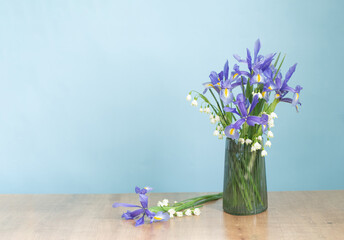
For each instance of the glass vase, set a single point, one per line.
(244, 189)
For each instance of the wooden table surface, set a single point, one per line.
(291, 215)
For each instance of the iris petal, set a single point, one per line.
(144, 200)
(132, 214)
(161, 216)
(253, 120)
(232, 110)
(123, 205)
(226, 70)
(140, 221)
(256, 49)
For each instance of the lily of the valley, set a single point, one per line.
(264, 153)
(271, 122)
(188, 212)
(268, 143)
(257, 146)
(197, 211)
(194, 103)
(179, 214)
(171, 212)
(273, 115)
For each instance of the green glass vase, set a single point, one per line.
(244, 189)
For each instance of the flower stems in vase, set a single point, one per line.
(244, 186)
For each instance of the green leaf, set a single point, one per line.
(272, 106)
(277, 59)
(249, 89)
(279, 68)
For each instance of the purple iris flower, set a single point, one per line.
(298, 88)
(264, 62)
(269, 82)
(237, 72)
(216, 79)
(231, 131)
(227, 85)
(265, 92)
(261, 62)
(282, 88)
(270, 73)
(143, 209)
(258, 65)
(134, 214)
(295, 101)
(222, 81)
(143, 190)
(289, 100)
(238, 77)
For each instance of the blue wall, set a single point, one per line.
(92, 93)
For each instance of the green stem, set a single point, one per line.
(249, 176)
(218, 105)
(201, 197)
(198, 201)
(272, 106)
(240, 183)
(244, 186)
(188, 203)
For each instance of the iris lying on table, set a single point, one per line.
(164, 211)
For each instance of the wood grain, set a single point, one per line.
(291, 215)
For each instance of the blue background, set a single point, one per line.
(92, 93)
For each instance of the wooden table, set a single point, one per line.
(291, 215)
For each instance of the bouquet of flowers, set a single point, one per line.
(243, 108)
(245, 100)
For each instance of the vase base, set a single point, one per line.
(242, 213)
